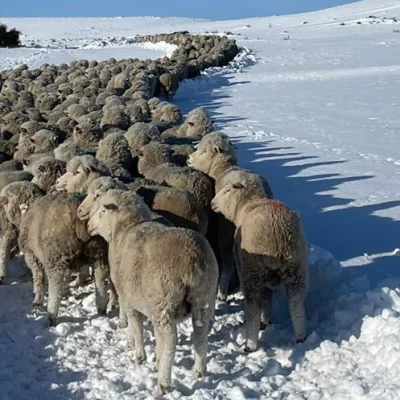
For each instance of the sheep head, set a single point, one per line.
(81, 170)
(152, 155)
(211, 158)
(117, 211)
(96, 189)
(46, 173)
(16, 198)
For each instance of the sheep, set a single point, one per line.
(31, 127)
(14, 176)
(69, 149)
(8, 240)
(87, 134)
(25, 146)
(7, 148)
(114, 148)
(140, 134)
(215, 156)
(155, 163)
(74, 111)
(81, 170)
(30, 162)
(155, 280)
(177, 205)
(54, 246)
(167, 115)
(44, 141)
(269, 248)
(196, 125)
(46, 172)
(11, 165)
(169, 85)
(115, 116)
(10, 217)
(181, 153)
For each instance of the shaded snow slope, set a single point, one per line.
(314, 108)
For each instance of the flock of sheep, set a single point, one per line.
(100, 177)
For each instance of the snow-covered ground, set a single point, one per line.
(312, 104)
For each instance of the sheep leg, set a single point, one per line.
(123, 317)
(227, 268)
(82, 277)
(165, 93)
(113, 298)
(167, 343)
(38, 277)
(200, 344)
(5, 250)
(296, 297)
(252, 320)
(226, 232)
(266, 309)
(158, 349)
(135, 335)
(55, 277)
(100, 278)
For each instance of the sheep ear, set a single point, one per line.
(111, 207)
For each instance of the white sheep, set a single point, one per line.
(81, 170)
(269, 247)
(54, 242)
(215, 156)
(163, 273)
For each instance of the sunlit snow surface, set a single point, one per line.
(311, 104)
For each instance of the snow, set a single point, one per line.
(314, 108)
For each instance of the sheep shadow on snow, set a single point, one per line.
(346, 232)
(28, 366)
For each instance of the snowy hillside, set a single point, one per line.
(312, 104)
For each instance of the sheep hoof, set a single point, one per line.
(222, 297)
(263, 326)
(37, 303)
(52, 321)
(130, 346)
(247, 350)
(302, 340)
(163, 389)
(122, 324)
(1, 280)
(250, 347)
(200, 373)
(102, 311)
(141, 359)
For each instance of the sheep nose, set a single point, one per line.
(80, 213)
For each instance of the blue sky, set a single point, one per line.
(213, 9)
